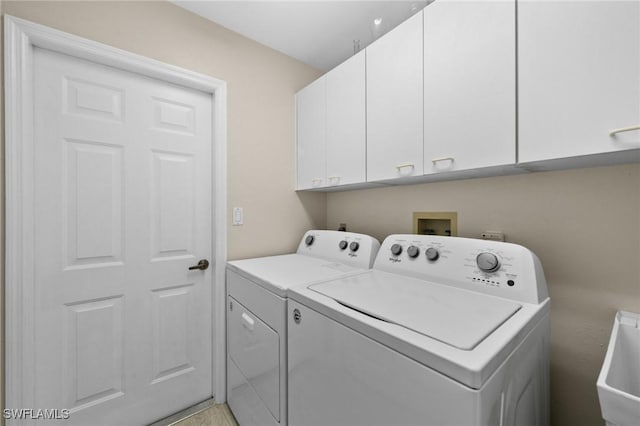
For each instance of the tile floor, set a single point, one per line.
(216, 415)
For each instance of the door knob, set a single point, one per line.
(202, 265)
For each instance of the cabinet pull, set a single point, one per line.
(448, 165)
(316, 182)
(334, 180)
(401, 167)
(624, 129)
(439, 159)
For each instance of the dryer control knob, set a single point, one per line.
(413, 251)
(396, 249)
(432, 253)
(354, 246)
(343, 244)
(488, 262)
(309, 240)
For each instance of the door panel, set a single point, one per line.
(172, 210)
(346, 122)
(171, 355)
(123, 208)
(311, 127)
(94, 358)
(578, 78)
(94, 203)
(469, 85)
(395, 103)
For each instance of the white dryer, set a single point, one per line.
(256, 317)
(442, 331)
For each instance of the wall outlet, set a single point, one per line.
(492, 235)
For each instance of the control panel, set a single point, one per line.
(498, 268)
(354, 249)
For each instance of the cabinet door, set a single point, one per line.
(311, 129)
(469, 85)
(394, 103)
(346, 122)
(578, 77)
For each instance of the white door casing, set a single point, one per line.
(23, 39)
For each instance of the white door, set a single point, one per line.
(395, 102)
(578, 78)
(123, 330)
(346, 122)
(469, 85)
(311, 127)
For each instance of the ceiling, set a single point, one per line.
(318, 33)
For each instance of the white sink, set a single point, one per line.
(619, 380)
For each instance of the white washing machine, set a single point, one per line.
(256, 317)
(442, 331)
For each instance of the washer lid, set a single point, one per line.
(459, 318)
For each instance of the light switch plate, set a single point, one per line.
(238, 216)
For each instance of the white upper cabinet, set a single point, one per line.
(311, 130)
(579, 77)
(346, 122)
(469, 85)
(394, 103)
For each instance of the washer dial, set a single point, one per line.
(343, 244)
(309, 240)
(488, 262)
(432, 253)
(354, 246)
(413, 251)
(396, 249)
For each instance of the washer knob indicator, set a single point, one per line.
(354, 246)
(343, 244)
(309, 240)
(432, 254)
(396, 249)
(413, 251)
(488, 262)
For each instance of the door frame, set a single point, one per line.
(21, 39)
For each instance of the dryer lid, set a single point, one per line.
(279, 273)
(459, 318)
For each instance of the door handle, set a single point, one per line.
(203, 264)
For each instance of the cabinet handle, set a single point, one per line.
(624, 129)
(316, 182)
(439, 159)
(400, 167)
(334, 180)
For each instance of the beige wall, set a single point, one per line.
(261, 86)
(584, 224)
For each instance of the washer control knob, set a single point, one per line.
(432, 254)
(413, 251)
(488, 262)
(396, 249)
(354, 246)
(309, 240)
(343, 244)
